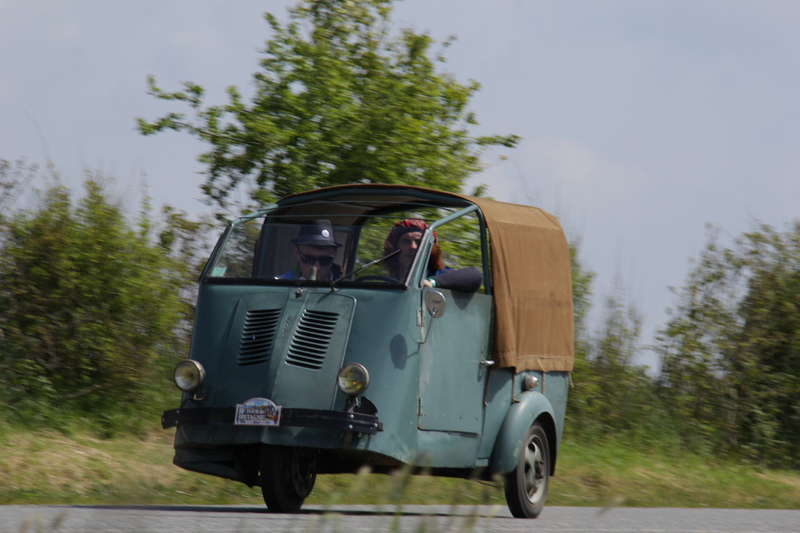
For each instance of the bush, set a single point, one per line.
(90, 307)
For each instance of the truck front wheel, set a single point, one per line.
(526, 485)
(288, 474)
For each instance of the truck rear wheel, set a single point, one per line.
(288, 474)
(526, 485)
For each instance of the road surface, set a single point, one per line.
(365, 518)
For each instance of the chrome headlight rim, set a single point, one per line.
(353, 379)
(189, 376)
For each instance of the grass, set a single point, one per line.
(78, 467)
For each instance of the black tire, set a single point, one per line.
(287, 476)
(526, 486)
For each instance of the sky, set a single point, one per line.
(641, 122)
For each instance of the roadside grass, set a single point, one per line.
(615, 474)
(77, 467)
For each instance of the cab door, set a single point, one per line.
(453, 369)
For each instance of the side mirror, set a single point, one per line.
(435, 303)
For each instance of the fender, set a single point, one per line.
(531, 405)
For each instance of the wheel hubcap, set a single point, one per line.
(534, 473)
(302, 471)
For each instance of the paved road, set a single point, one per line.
(364, 518)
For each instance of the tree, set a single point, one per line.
(696, 341)
(88, 302)
(768, 354)
(731, 351)
(580, 408)
(582, 280)
(14, 177)
(624, 391)
(338, 100)
(611, 393)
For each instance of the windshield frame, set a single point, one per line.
(415, 274)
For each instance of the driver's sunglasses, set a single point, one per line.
(323, 260)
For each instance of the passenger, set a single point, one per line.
(406, 236)
(315, 249)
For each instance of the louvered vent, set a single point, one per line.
(258, 335)
(310, 342)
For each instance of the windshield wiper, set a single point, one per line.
(361, 269)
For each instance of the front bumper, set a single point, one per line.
(315, 418)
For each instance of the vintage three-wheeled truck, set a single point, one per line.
(348, 364)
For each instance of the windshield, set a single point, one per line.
(291, 249)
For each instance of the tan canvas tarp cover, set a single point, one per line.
(531, 277)
(532, 284)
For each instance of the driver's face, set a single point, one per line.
(409, 244)
(315, 256)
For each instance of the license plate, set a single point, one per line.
(258, 412)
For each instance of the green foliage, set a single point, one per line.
(13, 178)
(338, 100)
(582, 280)
(731, 352)
(584, 386)
(237, 258)
(89, 304)
(460, 242)
(459, 239)
(620, 385)
(611, 395)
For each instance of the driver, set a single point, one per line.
(406, 235)
(315, 249)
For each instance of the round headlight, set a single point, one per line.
(353, 379)
(189, 375)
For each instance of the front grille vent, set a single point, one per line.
(258, 335)
(311, 340)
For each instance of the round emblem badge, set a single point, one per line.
(326, 233)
